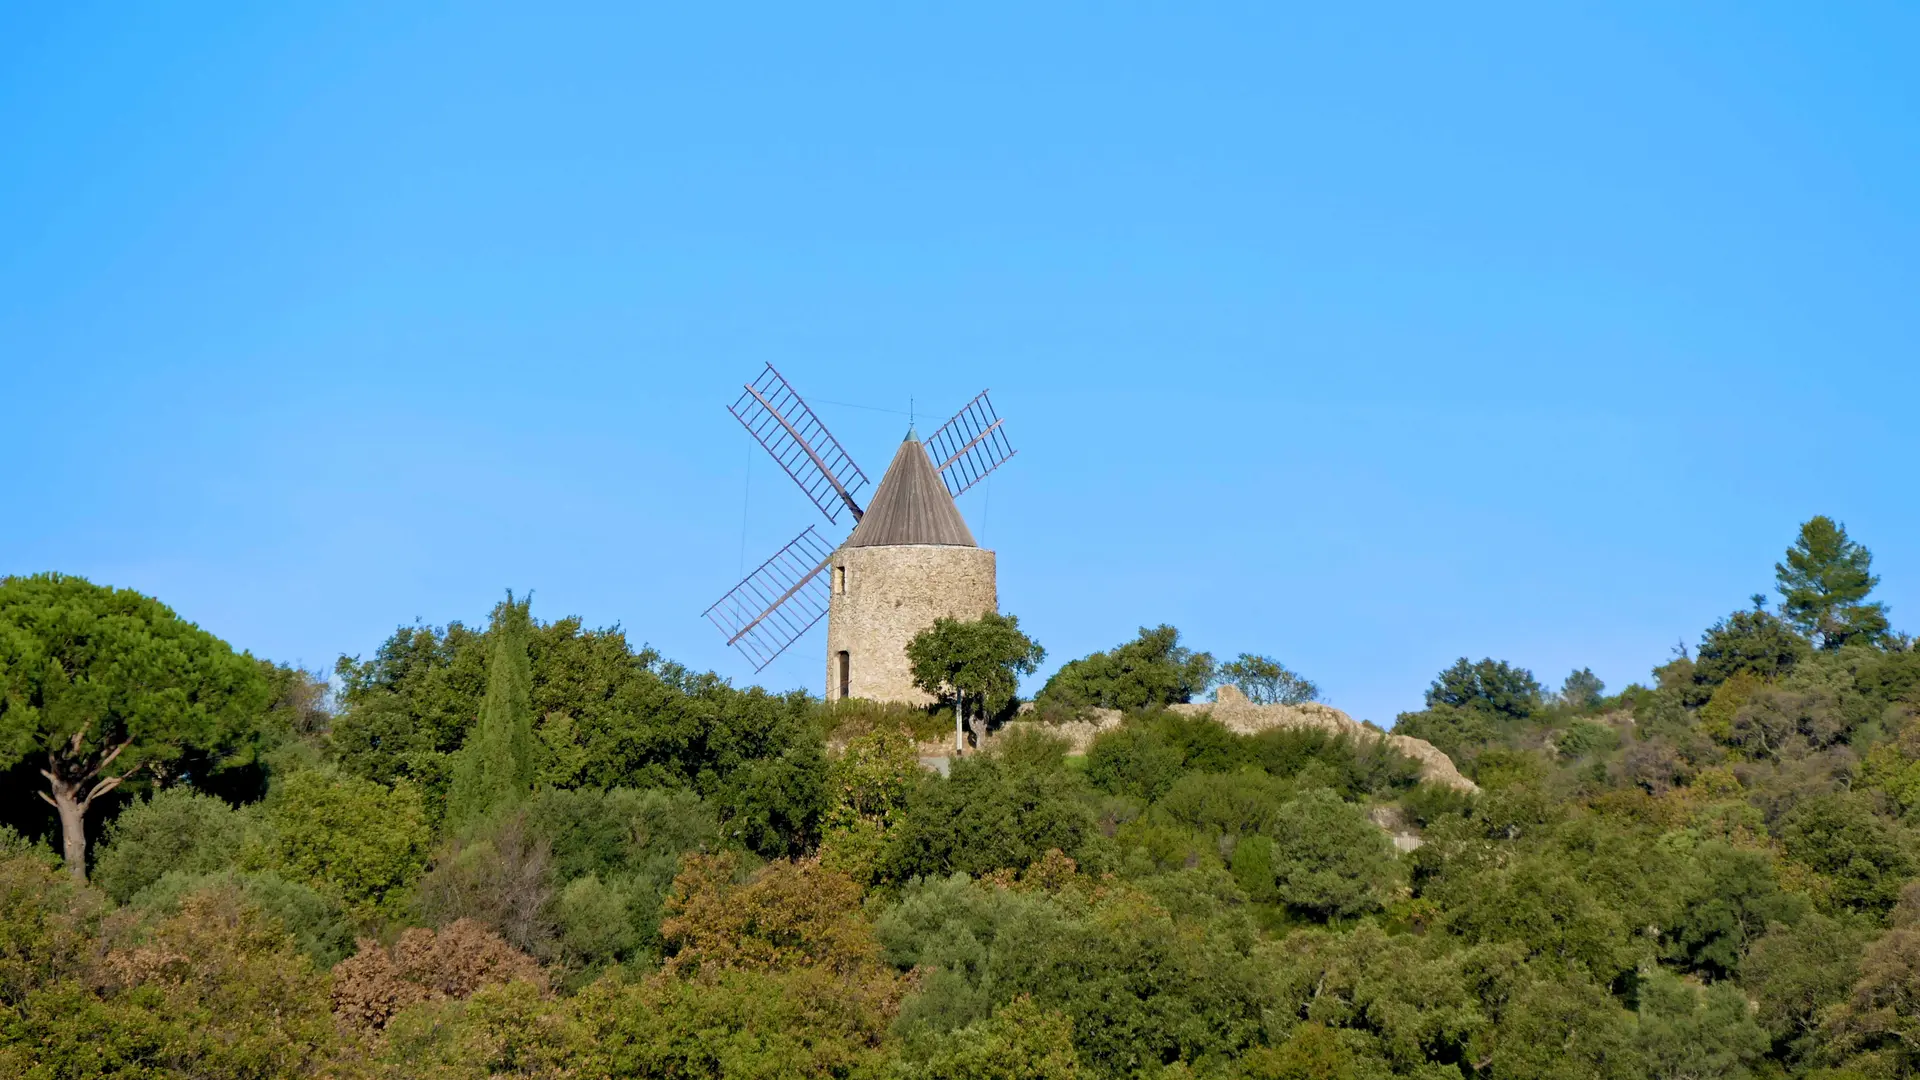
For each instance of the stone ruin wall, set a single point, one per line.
(1232, 709)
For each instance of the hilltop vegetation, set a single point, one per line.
(533, 850)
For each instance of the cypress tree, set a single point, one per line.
(495, 768)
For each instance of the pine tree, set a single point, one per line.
(1825, 582)
(496, 767)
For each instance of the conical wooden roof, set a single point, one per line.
(911, 506)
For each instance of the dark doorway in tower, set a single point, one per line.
(843, 672)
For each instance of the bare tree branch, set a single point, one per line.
(105, 786)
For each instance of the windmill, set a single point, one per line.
(916, 555)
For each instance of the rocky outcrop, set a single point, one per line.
(1232, 709)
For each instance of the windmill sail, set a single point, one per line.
(969, 446)
(780, 420)
(778, 602)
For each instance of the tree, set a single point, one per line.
(376, 982)
(1750, 642)
(632, 719)
(499, 874)
(1152, 669)
(1564, 1029)
(990, 814)
(773, 804)
(215, 992)
(1882, 1012)
(787, 915)
(107, 683)
(351, 839)
(1795, 974)
(1866, 857)
(730, 1023)
(496, 767)
(1329, 859)
(176, 831)
(1733, 900)
(1492, 686)
(1458, 733)
(1690, 1031)
(1824, 585)
(981, 659)
(1136, 760)
(317, 922)
(1020, 1041)
(868, 786)
(1267, 681)
(1582, 689)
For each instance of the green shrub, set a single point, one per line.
(355, 840)
(1254, 869)
(1020, 1041)
(1428, 803)
(1152, 669)
(1329, 858)
(1224, 804)
(596, 921)
(499, 874)
(1353, 767)
(1583, 737)
(851, 718)
(1458, 733)
(773, 806)
(178, 830)
(622, 831)
(318, 923)
(1134, 760)
(12, 844)
(1865, 856)
(991, 814)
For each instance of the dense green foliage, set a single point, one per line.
(101, 685)
(982, 659)
(496, 768)
(1710, 876)
(1153, 669)
(1267, 681)
(1824, 584)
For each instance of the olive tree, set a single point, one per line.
(980, 660)
(1267, 681)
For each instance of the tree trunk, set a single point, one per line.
(959, 722)
(71, 805)
(73, 826)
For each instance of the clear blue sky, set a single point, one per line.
(1365, 337)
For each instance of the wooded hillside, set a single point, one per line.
(532, 849)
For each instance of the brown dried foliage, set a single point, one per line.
(375, 983)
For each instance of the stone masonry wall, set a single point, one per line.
(891, 594)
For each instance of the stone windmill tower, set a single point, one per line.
(910, 559)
